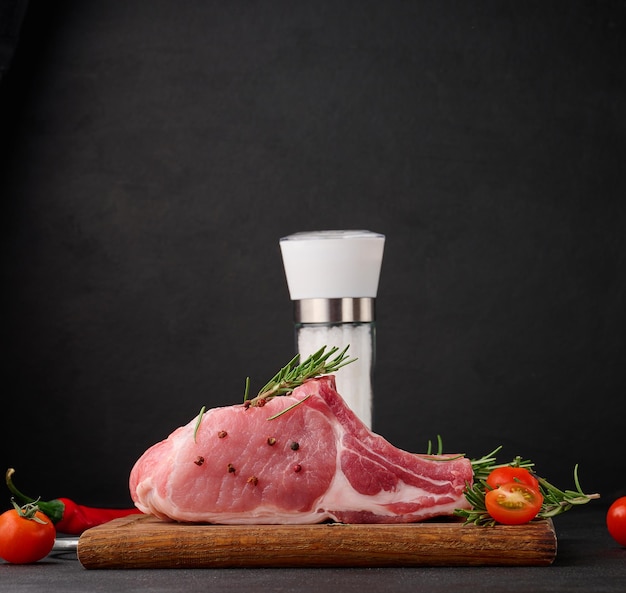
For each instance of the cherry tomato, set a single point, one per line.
(26, 535)
(513, 503)
(616, 520)
(506, 474)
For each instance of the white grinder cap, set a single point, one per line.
(332, 264)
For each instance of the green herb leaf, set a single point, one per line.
(198, 421)
(294, 373)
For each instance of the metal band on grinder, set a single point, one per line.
(346, 310)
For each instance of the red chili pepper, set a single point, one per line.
(70, 518)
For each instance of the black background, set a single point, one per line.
(154, 152)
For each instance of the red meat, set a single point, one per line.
(313, 463)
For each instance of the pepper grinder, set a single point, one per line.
(332, 278)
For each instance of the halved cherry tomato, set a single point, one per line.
(513, 503)
(26, 535)
(506, 474)
(616, 520)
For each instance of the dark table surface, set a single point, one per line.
(587, 560)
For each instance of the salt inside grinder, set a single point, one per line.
(332, 278)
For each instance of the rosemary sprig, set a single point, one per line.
(198, 421)
(555, 501)
(294, 373)
(483, 466)
(429, 450)
(477, 514)
(291, 407)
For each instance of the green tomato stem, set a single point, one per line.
(53, 509)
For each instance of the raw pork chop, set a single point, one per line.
(313, 463)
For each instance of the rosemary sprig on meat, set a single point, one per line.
(555, 501)
(294, 373)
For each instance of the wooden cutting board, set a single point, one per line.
(141, 541)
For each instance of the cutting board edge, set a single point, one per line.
(141, 542)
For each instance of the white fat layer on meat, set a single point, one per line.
(263, 514)
(341, 496)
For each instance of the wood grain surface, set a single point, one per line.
(146, 542)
